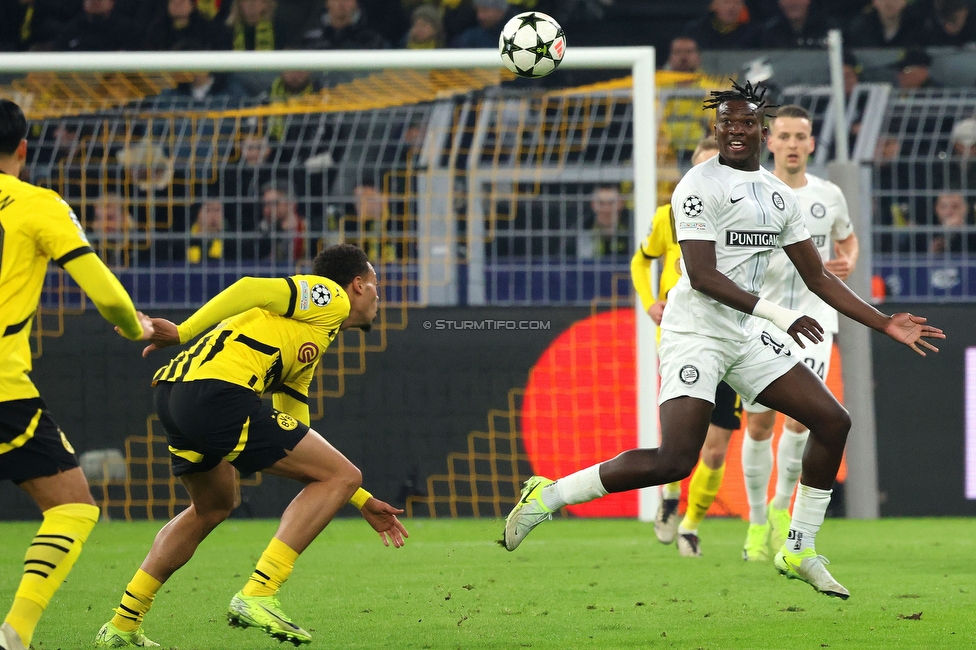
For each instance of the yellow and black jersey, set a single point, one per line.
(36, 225)
(275, 332)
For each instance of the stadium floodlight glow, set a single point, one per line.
(638, 61)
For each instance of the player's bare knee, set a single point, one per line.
(714, 457)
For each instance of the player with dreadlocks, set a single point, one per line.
(730, 214)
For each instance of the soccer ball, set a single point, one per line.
(532, 44)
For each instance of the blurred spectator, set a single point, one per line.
(963, 138)
(796, 26)
(684, 55)
(606, 231)
(491, 16)
(34, 24)
(216, 10)
(284, 232)
(893, 208)
(952, 24)
(726, 26)
(205, 85)
(852, 71)
(112, 230)
(240, 187)
(954, 214)
(99, 28)
(182, 27)
(291, 85)
(157, 193)
(426, 29)
(843, 10)
(341, 27)
(207, 236)
(253, 26)
(888, 23)
(912, 70)
(366, 222)
(959, 168)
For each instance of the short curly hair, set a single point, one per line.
(341, 263)
(13, 127)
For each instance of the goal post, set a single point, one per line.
(436, 259)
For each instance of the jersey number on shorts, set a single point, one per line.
(813, 366)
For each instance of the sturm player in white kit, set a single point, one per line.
(825, 212)
(730, 214)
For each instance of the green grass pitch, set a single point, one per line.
(573, 584)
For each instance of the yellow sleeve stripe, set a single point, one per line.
(192, 456)
(22, 439)
(241, 442)
(72, 255)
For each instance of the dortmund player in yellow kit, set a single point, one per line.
(36, 226)
(706, 480)
(269, 337)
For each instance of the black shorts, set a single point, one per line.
(209, 420)
(32, 444)
(728, 408)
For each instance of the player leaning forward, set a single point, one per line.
(37, 226)
(730, 214)
(270, 337)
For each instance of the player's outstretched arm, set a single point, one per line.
(903, 327)
(699, 256)
(109, 296)
(383, 518)
(273, 294)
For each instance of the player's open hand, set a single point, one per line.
(164, 335)
(910, 330)
(147, 327)
(383, 518)
(809, 328)
(841, 267)
(656, 311)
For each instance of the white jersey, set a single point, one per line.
(825, 212)
(747, 215)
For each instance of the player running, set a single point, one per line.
(730, 214)
(824, 211)
(661, 242)
(37, 226)
(270, 337)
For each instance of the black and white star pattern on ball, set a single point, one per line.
(321, 295)
(509, 47)
(693, 206)
(532, 20)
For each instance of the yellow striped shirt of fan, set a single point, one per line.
(660, 243)
(270, 348)
(36, 226)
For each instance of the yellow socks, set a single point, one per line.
(47, 562)
(671, 490)
(705, 483)
(136, 601)
(272, 570)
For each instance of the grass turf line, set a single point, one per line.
(573, 584)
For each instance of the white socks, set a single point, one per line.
(579, 487)
(789, 463)
(757, 467)
(808, 516)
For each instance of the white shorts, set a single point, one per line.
(816, 356)
(692, 365)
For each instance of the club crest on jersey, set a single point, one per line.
(819, 240)
(688, 375)
(286, 422)
(751, 239)
(321, 295)
(778, 201)
(818, 210)
(692, 206)
(308, 352)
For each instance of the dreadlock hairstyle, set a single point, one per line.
(748, 93)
